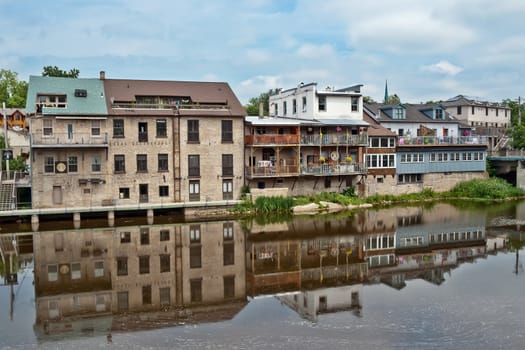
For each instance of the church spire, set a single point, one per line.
(386, 92)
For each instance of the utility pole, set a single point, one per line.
(5, 138)
(519, 110)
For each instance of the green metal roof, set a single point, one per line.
(94, 103)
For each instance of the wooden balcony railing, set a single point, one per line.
(335, 169)
(276, 139)
(272, 171)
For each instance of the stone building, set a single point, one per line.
(111, 142)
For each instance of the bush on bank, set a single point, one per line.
(486, 189)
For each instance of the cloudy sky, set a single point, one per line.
(427, 50)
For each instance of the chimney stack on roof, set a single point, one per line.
(102, 75)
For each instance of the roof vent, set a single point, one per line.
(80, 93)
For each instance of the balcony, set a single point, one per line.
(334, 139)
(272, 171)
(69, 140)
(334, 169)
(447, 140)
(271, 139)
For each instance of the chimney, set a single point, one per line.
(261, 110)
(102, 75)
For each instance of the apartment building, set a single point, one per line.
(313, 141)
(477, 113)
(118, 142)
(431, 151)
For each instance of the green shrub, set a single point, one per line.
(492, 188)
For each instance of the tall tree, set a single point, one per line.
(252, 108)
(54, 71)
(12, 91)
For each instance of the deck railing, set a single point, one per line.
(69, 139)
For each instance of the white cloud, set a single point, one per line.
(443, 67)
(316, 51)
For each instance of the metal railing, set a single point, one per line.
(335, 139)
(274, 139)
(434, 140)
(69, 139)
(167, 106)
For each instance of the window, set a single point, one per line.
(195, 234)
(142, 163)
(227, 231)
(355, 104)
(162, 162)
(439, 114)
(276, 109)
(52, 273)
(120, 164)
(194, 165)
(193, 131)
(52, 101)
(229, 286)
(123, 193)
(146, 295)
(164, 235)
(226, 131)
(164, 263)
(409, 178)
(96, 165)
(144, 235)
(304, 103)
(75, 271)
(228, 253)
(285, 109)
(143, 132)
(95, 128)
(122, 266)
(47, 128)
(125, 237)
(164, 294)
(380, 160)
(196, 290)
(164, 191)
(399, 113)
(99, 268)
(227, 189)
(227, 165)
(72, 164)
(143, 264)
(49, 165)
(195, 246)
(322, 103)
(473, 110)
(194, 188)
(122, 301)
(459, 110)
(118, 128)
(294, 106)
(162, 130)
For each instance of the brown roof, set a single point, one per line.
(205, 93)
(376, 129)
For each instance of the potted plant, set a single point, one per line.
(348, 159)
(322, 160)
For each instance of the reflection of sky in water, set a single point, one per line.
(480, 305)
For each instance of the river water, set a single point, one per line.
(438, 276)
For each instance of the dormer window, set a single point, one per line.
(399, 113)
(52, 101)
(438, 114)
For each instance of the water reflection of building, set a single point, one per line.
(305, 254)
(137, 277)
(309, 304)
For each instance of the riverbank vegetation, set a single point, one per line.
(481, 189)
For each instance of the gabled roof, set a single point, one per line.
(375, 128)
(93, 103)
(205, 93)
(462, 100)
(414, 113)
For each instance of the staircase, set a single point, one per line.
(7, 201)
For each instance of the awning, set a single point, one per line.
(343, 122)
